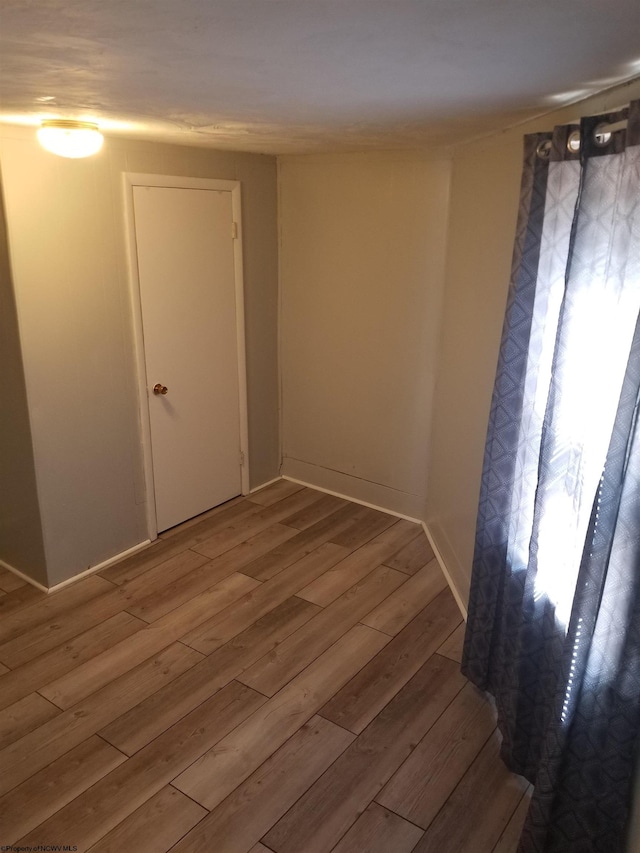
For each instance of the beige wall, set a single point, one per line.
(21, 544)
(66, 236)
(483, 209)
(484, 204)
(361, 273)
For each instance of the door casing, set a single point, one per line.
(131, 180)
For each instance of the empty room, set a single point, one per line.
(319, 435)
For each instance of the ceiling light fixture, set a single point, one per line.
(70, 138)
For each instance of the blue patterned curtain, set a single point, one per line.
(554, 612)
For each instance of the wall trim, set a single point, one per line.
(22, 576)
(351, 499)
(358, 489)
(100, 566)
(264, 485)
(445, 571)
(121, 556)
(90, 571)
(436, 551)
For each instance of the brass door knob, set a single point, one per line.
(160, 389)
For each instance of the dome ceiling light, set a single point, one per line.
(68, 138)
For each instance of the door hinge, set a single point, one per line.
(234, 230)
(241, 459)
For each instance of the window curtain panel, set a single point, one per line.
(553, 629)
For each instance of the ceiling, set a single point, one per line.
(279, 76)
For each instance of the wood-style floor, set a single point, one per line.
(280, 674)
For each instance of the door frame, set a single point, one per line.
(135, 179)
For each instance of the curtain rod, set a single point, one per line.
(611, 128)
(601, 134)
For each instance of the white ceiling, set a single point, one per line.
(305, 75)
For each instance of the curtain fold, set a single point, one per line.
(553, 619)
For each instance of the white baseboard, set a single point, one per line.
(106, 563)
(100, 566)
(365, 492)
(445, 571)
(264, 485)
(350, 498)
(90, 571)
(437, 553)
(22, 576)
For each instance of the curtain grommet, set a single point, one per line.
(543, 151)
(601, 136)
(573, 142)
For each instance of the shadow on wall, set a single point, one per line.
(21, 543)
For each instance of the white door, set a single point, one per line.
(185, 259)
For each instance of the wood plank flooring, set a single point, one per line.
(279, 675)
